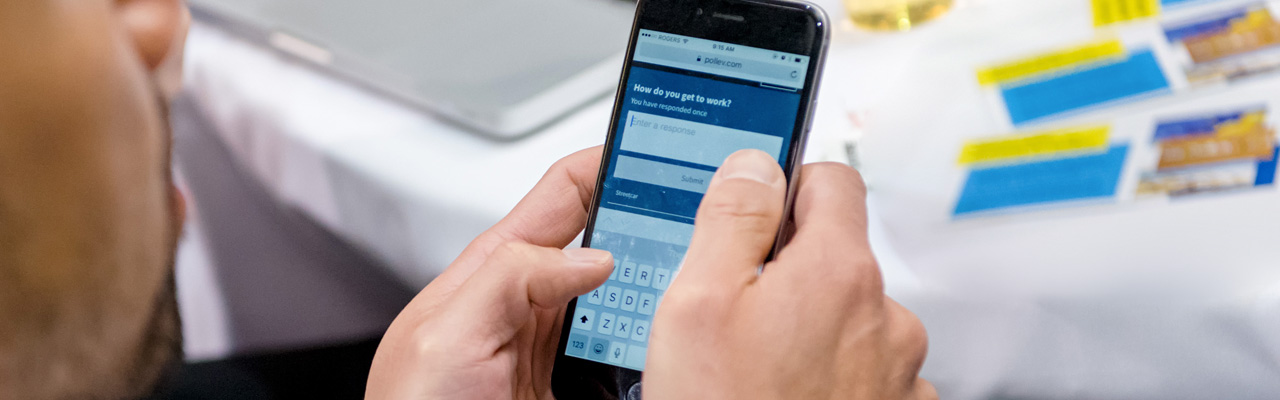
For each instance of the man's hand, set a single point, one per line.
(489, 327)
(814, 325)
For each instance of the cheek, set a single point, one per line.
(153, 25)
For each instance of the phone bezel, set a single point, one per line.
(789, 26)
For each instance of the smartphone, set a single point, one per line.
(702, 80)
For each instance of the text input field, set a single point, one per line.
(690, 141)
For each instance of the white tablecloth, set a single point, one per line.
(1133, 301)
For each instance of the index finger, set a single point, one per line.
(555, 211)
(830, 247)
(831, 199)
(551, 215)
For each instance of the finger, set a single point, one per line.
(551, 215)
(922, 390)
(518, 279)
(831, 199)
(555, 211)
(908, 341)
(831, 237)
(737, 222)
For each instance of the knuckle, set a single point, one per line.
(572, 160)
(509, 253)
(828, 168)
(577, 167)
(428, 343)
(837, 172)
(917, 340)
(561, 168)
(858, 275)
(687, 302)
(851, 176)
(925, 390)
(680, 299)
(910, 337)
(866, 267)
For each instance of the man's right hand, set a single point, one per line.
(814, 325)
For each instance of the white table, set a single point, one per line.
(1011, 312)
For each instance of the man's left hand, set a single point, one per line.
(488, 327)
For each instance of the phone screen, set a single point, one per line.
(688, 103)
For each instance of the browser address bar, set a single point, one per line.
(773, 74)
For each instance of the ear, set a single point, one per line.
(156, 27)
(179, 207)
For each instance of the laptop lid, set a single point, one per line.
(502, 67)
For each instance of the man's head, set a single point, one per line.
(88, 214)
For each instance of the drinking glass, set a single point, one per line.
(895, 15)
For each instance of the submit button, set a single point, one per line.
(662, 174)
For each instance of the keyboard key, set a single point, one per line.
(640, 330)
(623, 328)
(628, 272)
(661, 278)
(577, 345)
(648, 303)
(598, 349)
(635, 357)
(612, 296)
(629, 300)
(584, 319)
(607, 323)
(596, 296)
(644, 275)
(617, 352)
(617, 265)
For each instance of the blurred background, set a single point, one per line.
(1076, 196)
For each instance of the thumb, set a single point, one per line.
(518, 278)
(737, 222)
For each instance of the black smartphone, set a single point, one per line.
(702, 80)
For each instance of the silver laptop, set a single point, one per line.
(501, 67)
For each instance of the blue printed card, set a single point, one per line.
(1140, 74)
(1035, 183)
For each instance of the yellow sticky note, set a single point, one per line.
(1107, 12)
(1035, 144)
(1050, 62)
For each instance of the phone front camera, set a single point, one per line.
(699, 12)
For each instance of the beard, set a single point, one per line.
(89, 308)
(159, 353)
